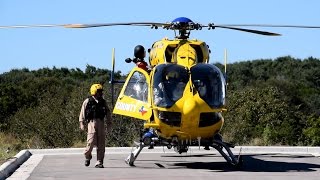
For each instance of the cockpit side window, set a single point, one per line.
(137, 87)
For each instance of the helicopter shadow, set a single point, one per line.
(193, 155)
(254, 163)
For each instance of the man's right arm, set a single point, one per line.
(82, 114)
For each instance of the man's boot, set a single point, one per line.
(87, 162)
(99, 164)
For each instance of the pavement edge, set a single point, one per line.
(11, 165)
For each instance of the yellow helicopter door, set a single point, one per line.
(134, 98)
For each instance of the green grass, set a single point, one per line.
(4, 156)
(79, 144)
(9, 147)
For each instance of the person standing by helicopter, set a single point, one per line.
(93, 112)
(139, 55)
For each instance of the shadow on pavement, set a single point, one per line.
(253, 164)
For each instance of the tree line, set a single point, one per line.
(269, 102)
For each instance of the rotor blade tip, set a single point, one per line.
(74, 26)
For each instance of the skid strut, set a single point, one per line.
(133, 155)
(224, 149)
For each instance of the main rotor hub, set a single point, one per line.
(184, 26)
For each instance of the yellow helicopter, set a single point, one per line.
(181, 96)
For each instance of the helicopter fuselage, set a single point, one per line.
(183, 95)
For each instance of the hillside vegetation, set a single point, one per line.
(269, 102)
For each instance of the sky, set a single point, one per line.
(36, 48)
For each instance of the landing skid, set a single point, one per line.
(222, 147)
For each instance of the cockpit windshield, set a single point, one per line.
(169, 83)
(210, 84)
(170, 80)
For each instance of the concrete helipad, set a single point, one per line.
(259, 163)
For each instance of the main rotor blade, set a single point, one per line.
(152, 24)
(31, 26)
(115, 24)
(270, 25)
(266, 33)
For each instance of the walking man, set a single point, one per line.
(93, 112)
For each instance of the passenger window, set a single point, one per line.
(137, 87)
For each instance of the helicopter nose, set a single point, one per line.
(190, 106)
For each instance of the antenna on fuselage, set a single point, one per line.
(225, 63)
(112, 81)
(111, 78)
